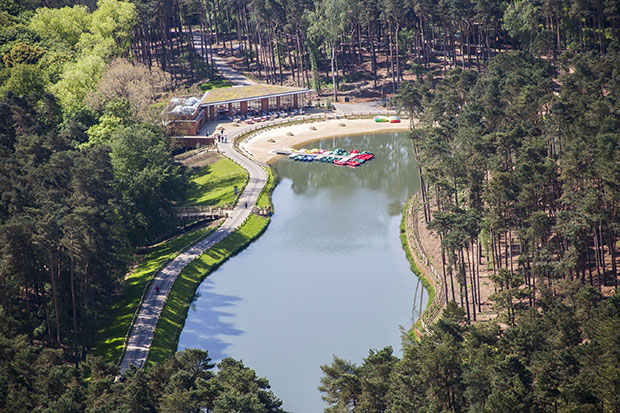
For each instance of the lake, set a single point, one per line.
(328, 277)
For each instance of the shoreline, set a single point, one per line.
(263, 142)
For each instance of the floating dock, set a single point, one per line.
(337, 156)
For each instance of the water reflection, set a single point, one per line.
(394, 176)
(329, 276)
(210, 329)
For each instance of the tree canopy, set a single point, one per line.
(518, 149)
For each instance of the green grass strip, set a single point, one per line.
(172, 319)
(111, 336)
(213, 185)
(264, 200)
(405, 244)
(215, 84)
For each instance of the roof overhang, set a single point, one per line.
(270, 92)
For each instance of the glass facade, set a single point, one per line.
(286, 102)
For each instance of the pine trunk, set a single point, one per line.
(54, 299)
(75, 330)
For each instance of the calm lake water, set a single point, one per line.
(329, 275)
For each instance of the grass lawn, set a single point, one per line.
(247, 92)
(111, 336)
(215, 84)
(213, 184)
(173, 316)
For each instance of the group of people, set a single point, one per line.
(222, 138)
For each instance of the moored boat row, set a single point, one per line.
(337, 156)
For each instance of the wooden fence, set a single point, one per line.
(425, 265)
(203, 212)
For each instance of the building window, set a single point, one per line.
(254, 106)
(286, 102)
(273, 103)
(235, 109)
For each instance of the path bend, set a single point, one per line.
(141, 337)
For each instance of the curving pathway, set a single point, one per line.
(141, 336)
(222, 67)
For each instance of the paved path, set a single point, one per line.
(141, 336)
(229, 73)
(222, 67)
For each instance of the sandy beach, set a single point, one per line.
(261, 145)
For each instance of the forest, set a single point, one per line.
(85, 180)
(517, 140)
(519, 174)
(324, 43)
(561, 358)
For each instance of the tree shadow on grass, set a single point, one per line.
(198, 190)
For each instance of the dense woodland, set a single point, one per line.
(521, 166)
(40, 380)
(305, 41)
(519, 154)
(86, 176)
(561, 357)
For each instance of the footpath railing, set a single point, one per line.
(147, 287)
(425, 265)
(202, 211)
(215, 212)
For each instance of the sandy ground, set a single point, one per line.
(432, 245)
(282, 137)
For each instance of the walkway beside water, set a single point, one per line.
(143, 328)
(329, 275)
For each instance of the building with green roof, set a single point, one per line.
(186, 116)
